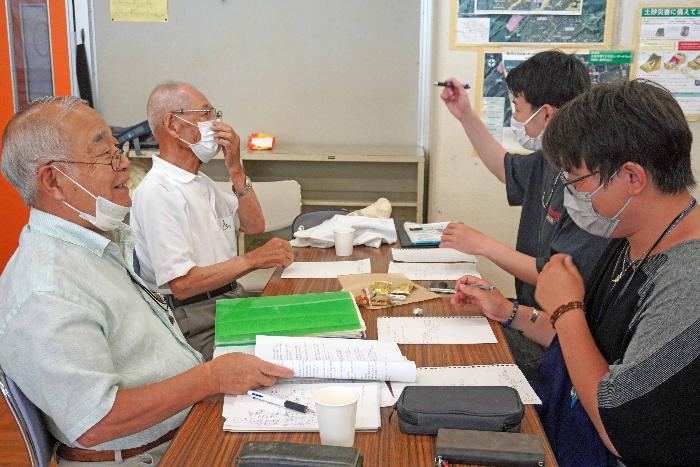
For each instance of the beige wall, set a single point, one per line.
(460, 187)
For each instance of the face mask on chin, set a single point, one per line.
(108, 215)
(579, 205)
(525, 140)
(207, 147)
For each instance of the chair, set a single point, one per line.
(281, 204)
(313, 218)
(30, 421)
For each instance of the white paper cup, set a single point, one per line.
(336, 409)
(344, 237)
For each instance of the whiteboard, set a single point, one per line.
(307, 71)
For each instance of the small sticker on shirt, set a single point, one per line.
(226, 223)
(553, 216)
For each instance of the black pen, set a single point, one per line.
(281, 402)
(448, 84)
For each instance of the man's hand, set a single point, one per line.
(276, 252)
(490, 302)
(237, 373)
(559, 283)
(465, 239)
(456, 99)
(230, 143)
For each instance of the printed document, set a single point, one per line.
(477, 375)
(325, 269)
(434, 271)
(326, 357)
(431, 255)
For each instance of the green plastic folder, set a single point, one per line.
(238, 321)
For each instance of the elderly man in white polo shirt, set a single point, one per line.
(185, 227)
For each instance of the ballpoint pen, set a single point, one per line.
(279, 401)
(482, 286)
(448, 84)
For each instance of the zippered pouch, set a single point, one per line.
(425, 409)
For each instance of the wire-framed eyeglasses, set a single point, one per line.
(115, 160)
(568, 182)
(210, 113)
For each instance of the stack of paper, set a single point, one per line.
(243, 413)
(424, 234)
(318, 357)
(332, 314)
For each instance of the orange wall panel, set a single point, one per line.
(14, 213)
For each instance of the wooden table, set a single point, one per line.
(201, 440)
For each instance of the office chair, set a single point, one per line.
(280, 202)
(30, 421)
(310, 219)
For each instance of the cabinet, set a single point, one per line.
(349, 177)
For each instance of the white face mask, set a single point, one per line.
(579, 205)
(207, 147)
(525, 140)
(108, 215)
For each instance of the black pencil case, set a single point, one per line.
(425, 409)
(280, 454)
(488, 448)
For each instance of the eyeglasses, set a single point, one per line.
(115, 158)
(568, 182)
(210, 113)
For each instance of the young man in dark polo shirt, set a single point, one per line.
(538, 88)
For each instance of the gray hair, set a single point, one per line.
(165, 98)
(32, 139)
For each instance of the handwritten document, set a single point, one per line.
(435, 330)
(139, 10)
(434, 271)
(431, 255)
(325, 269)
(324, 357)
(478, 375)
(243, 413)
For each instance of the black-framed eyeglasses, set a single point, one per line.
(568, 182)
(115, 161)
(210, 113)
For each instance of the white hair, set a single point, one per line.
(164, 98)
(32, 139)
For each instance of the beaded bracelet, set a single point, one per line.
(563, 309)
(510, 319)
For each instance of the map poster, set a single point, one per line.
(528, 7)
(495, 107)
(564, 23)
(669, 52)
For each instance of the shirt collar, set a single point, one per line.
(67, 231)
(171, 170)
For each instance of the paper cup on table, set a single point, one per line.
(336, 409)
(344, 237)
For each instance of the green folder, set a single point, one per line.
(238, 321)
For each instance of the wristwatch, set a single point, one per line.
(248, 185)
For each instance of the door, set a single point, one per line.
(34, 62)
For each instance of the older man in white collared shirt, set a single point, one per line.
(185, 227)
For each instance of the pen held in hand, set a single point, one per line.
(448, 84)
(482, 286)
(280, 402)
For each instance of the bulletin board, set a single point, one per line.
(307, 71)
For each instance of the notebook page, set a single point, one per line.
(435, 330)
